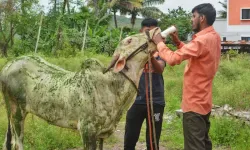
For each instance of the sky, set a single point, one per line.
(187, 5)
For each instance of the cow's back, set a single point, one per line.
(22, 72)
(37, 85)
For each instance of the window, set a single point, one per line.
(245, 38)
(245, 13)
(224, 39)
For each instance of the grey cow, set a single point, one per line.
(89, 101)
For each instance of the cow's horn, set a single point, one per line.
(112, 63)
(168, 31)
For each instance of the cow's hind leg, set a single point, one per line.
(16, 116)
(8, 137)
(17, 123)
(101, 144)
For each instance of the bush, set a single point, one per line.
(172, 47)
(231, 84)
(229, 132)
(232, 53)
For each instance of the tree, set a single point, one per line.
(223, 13)
(136, 7)
(146, 10)
(125, 7)
(7, 25)
(17, 24)
(181, 19)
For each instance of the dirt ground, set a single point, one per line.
(119, 139)
(119, 135)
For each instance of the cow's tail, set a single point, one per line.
(8, 138)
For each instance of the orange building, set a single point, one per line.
(237, 25)
(238, 12)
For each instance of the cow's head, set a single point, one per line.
(133, 51)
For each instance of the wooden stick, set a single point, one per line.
(39, 31)
(121, 34)
(84, 37)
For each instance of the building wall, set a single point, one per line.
(220, 25)
(235, 24)
(234, 12)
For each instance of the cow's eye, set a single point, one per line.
(129, 41)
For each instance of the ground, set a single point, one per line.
(119, 135)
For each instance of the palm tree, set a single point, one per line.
(145, 9)
(223, 13)
(124, 7)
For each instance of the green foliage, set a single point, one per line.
(232, 53)
(230, 132)
(37, 138)
(181, 19)
(173, 86)
(231, 82)
(172, 133)
(172, 47)
(21, 47)
(225, 131)
(223, 13)
(104, 40)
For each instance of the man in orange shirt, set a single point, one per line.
(203, 56)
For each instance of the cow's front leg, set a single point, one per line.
(89, 138)
(89, 142)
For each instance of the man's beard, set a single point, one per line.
(198, 28)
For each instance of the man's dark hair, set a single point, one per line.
(148, 22)
(207, 10)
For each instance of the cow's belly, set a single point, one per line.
(54, 116)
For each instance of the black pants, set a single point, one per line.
(196, 128)
(135, 117)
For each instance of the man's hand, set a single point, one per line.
(158, 38)
(175, 38)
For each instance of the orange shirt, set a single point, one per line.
(203, 56)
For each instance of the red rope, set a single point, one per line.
(148, 110)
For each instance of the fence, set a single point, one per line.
(239, 46)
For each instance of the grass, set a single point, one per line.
(231, 86)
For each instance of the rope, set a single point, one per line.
(151, 100)
(148, 112)
(152, 133)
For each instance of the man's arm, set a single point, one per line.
(192, 49)
(176, 40)
(158, 65)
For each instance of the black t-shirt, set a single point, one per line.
(157, 89)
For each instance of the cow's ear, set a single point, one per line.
(119, 65)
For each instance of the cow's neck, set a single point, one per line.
(133, 72)
(129, 81)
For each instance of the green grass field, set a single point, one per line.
(231, 86)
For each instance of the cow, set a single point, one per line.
(91, 100)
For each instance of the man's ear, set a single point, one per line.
(119, 65)
(202, 18)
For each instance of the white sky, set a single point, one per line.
(188, 4)
(173, 4)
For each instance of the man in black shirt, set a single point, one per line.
(138, 111)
